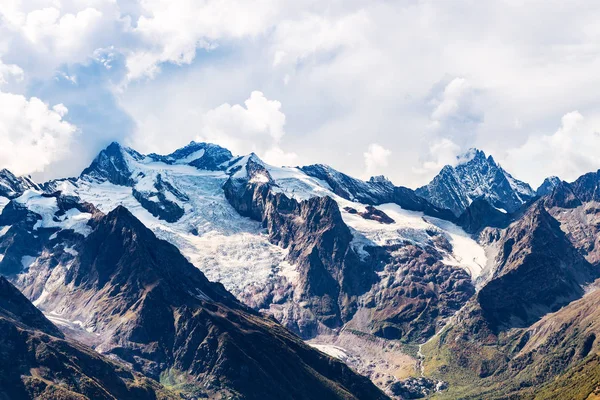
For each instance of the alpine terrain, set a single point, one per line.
(204, 274)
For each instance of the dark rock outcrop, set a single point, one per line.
(206, 156)
(587, 187)
(318, 240)
(562, 196)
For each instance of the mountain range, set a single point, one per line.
(201, 274)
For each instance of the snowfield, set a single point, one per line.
(225, 246)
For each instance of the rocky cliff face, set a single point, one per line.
(36, 361)
(575, 205)
(480, 177)
(481, 214)
(395, 292)
(331, 273)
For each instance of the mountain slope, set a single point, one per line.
(476, 177)
(539, 271)
(37, 362)
(149, 306)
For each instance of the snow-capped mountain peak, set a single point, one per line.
(476, 176)
(13, 186)
(548, 185)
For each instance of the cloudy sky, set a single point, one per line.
(398, 88)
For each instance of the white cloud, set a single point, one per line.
(455, 112)
(257, 127)
(10, 72)
(32, 136)
(43, 35)
(172, 31)
(276, 156)
(574, 149)
(419, 76)
(295, 40)
(441, 152)
(376, 159)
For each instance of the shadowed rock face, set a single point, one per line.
(587, 187)
(204, 156)
(481, 214)
(111, 165)
(153, 309)
(15, 307)
(37, 362)
(539, 271)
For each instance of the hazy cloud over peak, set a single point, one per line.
(293, 80)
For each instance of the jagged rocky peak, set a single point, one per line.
(380, 179)
(117, 164)
(371, 192)
(476, 177)
(206, 156)
(112, 165)
(13, 186)
(548, 186)
(587, 187)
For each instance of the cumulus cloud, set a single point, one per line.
(172, 31)
(257, 126)
(376, 159)
(10, 72)
(568, 153)
(52, 34)
(456, 113)
(295, 40)
(441, 152)
(416, 76)
(32, 135)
